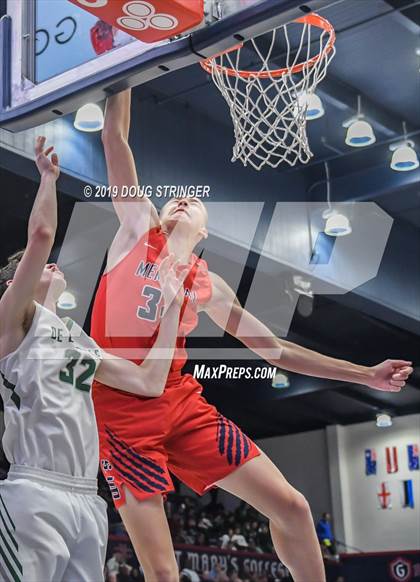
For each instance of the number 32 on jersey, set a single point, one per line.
(79, 371)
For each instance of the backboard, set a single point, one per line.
(56, 56)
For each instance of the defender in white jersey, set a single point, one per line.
(53, 525)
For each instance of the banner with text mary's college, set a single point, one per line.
(400, 566)
(202, 559)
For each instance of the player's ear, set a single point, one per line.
(9, 282)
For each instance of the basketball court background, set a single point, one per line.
(182, 134)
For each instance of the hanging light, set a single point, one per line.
(67, 301)
(89, 118)
(313, 104)
(404, 158)
(359, 132)
(280, 380)
(383, 420)
(336, 224)
(302, 286)
(315, 107)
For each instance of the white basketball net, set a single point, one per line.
(269, 111)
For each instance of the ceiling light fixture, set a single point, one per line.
(313, 104)
(67, 301)
(89, 118)
(336, 223)
(383, 420)
(404, 157)
(302, 286)
(280, 380)
(359, 132)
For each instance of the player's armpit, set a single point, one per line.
(138, 217)
(132, 228)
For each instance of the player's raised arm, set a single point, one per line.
(17, 303)
(136, 214)
(225, 310)
(150, 377)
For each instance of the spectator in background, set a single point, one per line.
(205, 523)
(117, 568)
(226, 540)
(216, 574)
(188, 574)
(246, 572)
(325, 535)
(191, 531)
(191, 523)
(238, 540)
(136, 575)
(234, 577)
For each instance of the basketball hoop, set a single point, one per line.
(268, 106)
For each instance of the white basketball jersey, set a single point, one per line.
(46, 390)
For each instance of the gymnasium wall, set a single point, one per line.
(327, 466)
(366, 526)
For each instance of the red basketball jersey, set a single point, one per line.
(128, 304)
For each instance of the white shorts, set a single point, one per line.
(53, 528)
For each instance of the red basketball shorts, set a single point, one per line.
(142, 440)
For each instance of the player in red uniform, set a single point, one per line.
(142, 439)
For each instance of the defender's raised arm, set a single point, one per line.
(17, 301)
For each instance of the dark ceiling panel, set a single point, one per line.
(412, 12)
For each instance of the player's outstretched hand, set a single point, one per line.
(391, 375)
(44, 163)
(171, 277)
